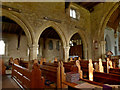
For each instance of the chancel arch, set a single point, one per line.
(105, 20)
(112, 29)
(50, 45)
(110, 19)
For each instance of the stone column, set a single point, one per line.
(33, 52)
(85, 53)
(66, 53)
(41, 47)
(6, 49)
(103, 52)
(32, 55)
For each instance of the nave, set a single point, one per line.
(57, 45)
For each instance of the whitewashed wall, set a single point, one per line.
(110, 33)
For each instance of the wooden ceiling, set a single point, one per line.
(76, 37)
(88, 5)
(9, 26)
(114, 19)
(50, 33)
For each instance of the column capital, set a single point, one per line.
(66, 53)
(103, 42)
(67, 47)
(34, 46)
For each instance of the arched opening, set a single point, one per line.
(16, 41)
(112, 30)
(50, 45)
(76, 46)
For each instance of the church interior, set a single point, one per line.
(55, 45)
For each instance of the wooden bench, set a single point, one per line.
(101, 77)
(114, 71)
(2, 67)
(52, 73)
(64, 82)
(26, 78)
(68, 66)
(105, 78)
(24, 63)
(50, 64)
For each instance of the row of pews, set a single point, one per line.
(112, 78)
(99, 78)
(114, 71)
(53, 75)
(26, 78)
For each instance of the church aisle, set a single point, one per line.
(8, 82)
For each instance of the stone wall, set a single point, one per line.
(50, 54)
(90, 26)
(11, 42)
(34, 13)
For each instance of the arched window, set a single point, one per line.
(72, 13)
(57, 45)
(2, 47)
(50, 45)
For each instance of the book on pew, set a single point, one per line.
(72, 76)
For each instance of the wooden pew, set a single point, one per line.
(50, 64)
(68, 66)
(106, 78)
(69, 84)
(52, 73)
(26, 78)
(114, 71)
(102, 77)
(2, 67)
(24, 63)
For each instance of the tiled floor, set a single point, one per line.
(9, 83)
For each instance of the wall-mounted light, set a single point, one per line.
(79, 28)
(10, 8)
(50, 19)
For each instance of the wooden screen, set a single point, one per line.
(76, 50)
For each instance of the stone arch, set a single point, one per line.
(85, 46)
(105, 20)
(23, 24)
(108, 42)
(56, 28)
